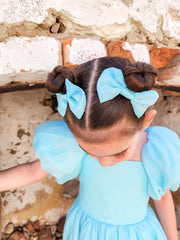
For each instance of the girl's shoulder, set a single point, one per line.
(52, 127)
(161, 159)
(58, 150)
(49, 134)
(161, 131)
(162, 140)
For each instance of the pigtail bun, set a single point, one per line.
(139, 76)
(56, 79)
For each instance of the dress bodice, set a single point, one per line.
(115, 194)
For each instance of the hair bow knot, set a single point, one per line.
(75, 97)
(111, 83)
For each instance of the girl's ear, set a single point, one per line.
(149, 116)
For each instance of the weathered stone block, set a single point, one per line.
(77, 51)
(132, 51)
(115, 49)
(160, 56)
(21, 55)
(167, 62)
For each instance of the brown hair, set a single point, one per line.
(138, 76)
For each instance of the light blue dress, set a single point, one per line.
(113, 201)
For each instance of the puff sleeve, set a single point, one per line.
(58, 150)
(161, 159)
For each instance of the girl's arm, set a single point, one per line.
(21, 175)
(166, 214)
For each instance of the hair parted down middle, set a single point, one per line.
(138, 76)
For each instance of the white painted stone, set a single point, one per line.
(19, 54)
(146, 13)
(139, 51)
(105, 18)
(151, 13)
(82, 50)
(171, 22)
(85, 12)
(17, 11)
(99, 12)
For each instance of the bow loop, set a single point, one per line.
(62, 103)
(75, 97)
(143, 100)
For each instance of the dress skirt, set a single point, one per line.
(80, 226)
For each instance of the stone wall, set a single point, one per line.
(37, 35)
(138, 21)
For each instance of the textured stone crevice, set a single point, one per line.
(27, 29)
(142, 35)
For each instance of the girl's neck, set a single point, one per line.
(137, 155)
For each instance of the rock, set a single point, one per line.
(53, 228)
(55, 28)
(17, 236)
(29, 226)
(59, 235)
(60, 224)
(25, 230)
(45, 234)
(71, 189)
(27, 235)
(34, 238)
(9, 228)
(35, 233)
(37, 225)
(136, 37)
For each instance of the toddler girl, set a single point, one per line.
(105, 138)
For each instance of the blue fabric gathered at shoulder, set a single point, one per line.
(161, 160)
(58, 150)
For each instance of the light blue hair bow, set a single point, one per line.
(111, 83)
(75, 97)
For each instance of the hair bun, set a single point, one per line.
(139, 76)
(56, 79)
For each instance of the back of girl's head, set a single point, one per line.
(138, 77)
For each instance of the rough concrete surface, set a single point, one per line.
(20, 113)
